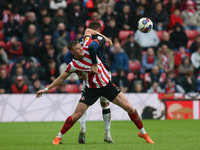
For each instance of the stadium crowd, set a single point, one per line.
(34, 35)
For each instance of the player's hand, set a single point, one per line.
(39, 93)
(81, 76)
(109, 41)
(94, 69)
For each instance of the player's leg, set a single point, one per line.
(106, 118)
(123, 102)
(79, 111)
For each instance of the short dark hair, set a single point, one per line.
(94, 25)
(72, 44)
(51, 61)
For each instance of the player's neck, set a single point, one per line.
(78, 57)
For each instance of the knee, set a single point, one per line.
(130, 110)
(104, 104)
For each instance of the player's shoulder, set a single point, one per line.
(100, 39)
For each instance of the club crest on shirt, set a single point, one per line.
(87, 39)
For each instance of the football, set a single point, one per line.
(145, 25)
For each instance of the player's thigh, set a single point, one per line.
(79, 111)
(123, 102)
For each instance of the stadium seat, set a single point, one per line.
(1, 25)
(159, 34)
(6, 12)
(165, 2)
(11, 65)
(1, 36)
(191, 34)
(68, 1)
(114, 74)
(2, 43)
(189, 43)
(123, 34)
(134, 66)
(52, 90)
(71, 88)
(80, 88)
(170, 31)
(130, 76)
(146, 78)
(122, 42)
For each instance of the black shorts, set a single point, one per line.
(91, 95)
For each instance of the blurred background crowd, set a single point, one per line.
(34, 35)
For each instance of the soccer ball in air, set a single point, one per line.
(145, 25)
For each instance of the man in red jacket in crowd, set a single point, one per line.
(19, 86)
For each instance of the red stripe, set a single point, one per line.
(85, 62)
(92, 83)
(103, 68)
(89, 76)
(98, 81)
(87, 56)
(106, 81)
(79, 67)
(68, 68)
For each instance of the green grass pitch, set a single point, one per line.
(167, 134)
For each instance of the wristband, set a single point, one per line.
(46, 89)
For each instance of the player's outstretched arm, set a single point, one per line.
(55, 83)
(91, 32)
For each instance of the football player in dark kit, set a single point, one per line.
(94, 50)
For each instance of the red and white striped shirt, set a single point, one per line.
(84, 66)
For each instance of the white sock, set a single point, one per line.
(82, 121)
(107, 122)
(60, 135)
(142, 131)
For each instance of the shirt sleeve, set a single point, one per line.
(70, 68)
(68, 57)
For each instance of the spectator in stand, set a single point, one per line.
(56, 4)
(148, 61)
(36, 86)
(50, 55)
(37, 4)
(185, 66)
(31, 19)
(140, 12)
(188, 82)
(118, 58)
(171, 6)
(175, 18)
(19, 86)
(3, 55)
(21, 62)
(111, 31)
(61, 88)
(132, 49)
(166, 40)
(52, 71)
(46, 27)
(11, 28)
(191, 18)
(159, 17)
(125, 19)
(95, 17)
(31, 47)
(118, 7)
(171, 87)
(32, 31)
(56, 34)
(147, 40)
(178, 36)
(34, 71)
(109, 14)
(23, 7)
(155, 88)
(195, 58)
(5, 86)
(138, 88)
(74, 15)
(136, 80)
(121, 80)
(155, 75)
(19, 72)
(14, 49)
(61, 41)
(42, 13)
(60, 58)
(179, 55)
(172, 76)
(195, 44)
(15, 14)
(165, 59)
(70, 6)
(60, 17)
(183, 5)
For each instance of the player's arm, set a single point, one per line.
(90, 32)
(55, 83)
(93, 53)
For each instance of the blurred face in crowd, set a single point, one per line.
(150, 52)
(198, 39)
(155, 70)
(190, 7)
(173, 1)
(186, 61)
(31, 29)
(77, 8)
(60, 12)
(138, 88)
(3, 74)
(2, 66)
(164, 48)
(52, 65)
(20, 83)
(198, 50)
(122, 73)
(126, 9)
(182, 50)
(11, 18)
(171, 75)
(131, 39)
(178, 29)
(31, 16)
(61, 26)
(31, 63)
(177, 12)
(143, 2)
(108, 10)
(78, 35)
(37, 84)
(31, 41)
(1, 50)
(47, 20)
(155, 85)
(51, 51)
(64, 50)
(24, 1)
(117, 47)
(81, 29)
(13, 40)
(43, 12)
(19, 71)
(158, 7)
(112, 23)
(62, 88)
(165, 36)
(95, 16)
(47, 39)
(170, 83)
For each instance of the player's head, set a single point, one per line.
(76, 49)
(94, 25)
